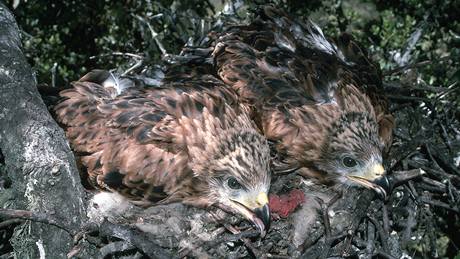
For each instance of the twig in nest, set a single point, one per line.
(36, 217)
(396, 86)
(236, 234)
(400, 177)
(116, 53)
(141, 240)
(246, 241)
(328, 238)
(370, 244)
(411, 222)
(154, 34)
(406, 67)
(137, 238)
(382, 234)
(115, 247)
(451, 89)
(322, 247)
(134, 67)
(433, 159)
(308, 243)
(325, 211)
(278, 256)
(437, 184)
(10, 222)
(408, 98)
(53, 74)
(139, 60)
(386, 220)
(440, 204)
(235, 237)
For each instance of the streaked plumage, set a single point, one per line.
(181, 143)
(319, 102)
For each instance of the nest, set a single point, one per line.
(419, 218)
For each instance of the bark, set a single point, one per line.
(37, 158)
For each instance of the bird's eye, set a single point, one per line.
(349, 162)
(233, 183)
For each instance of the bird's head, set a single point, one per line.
(353, 152)
(238, 176)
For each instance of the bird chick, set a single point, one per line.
(318, 102)
(189, 141)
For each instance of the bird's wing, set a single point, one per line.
(276, 61)
(125, 143)
(131, 141)
(281, 65)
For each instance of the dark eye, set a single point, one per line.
(349, 162)
(233, 183)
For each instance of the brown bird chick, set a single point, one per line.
(179, 143)
(317, 101)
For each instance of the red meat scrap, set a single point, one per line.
(284, 204)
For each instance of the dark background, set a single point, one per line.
(71, 37)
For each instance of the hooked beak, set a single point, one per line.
(263, 213)
(256, 210)
(374, 179)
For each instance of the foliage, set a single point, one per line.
(75, 36)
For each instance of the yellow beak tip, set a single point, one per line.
(262, 198)
(376, 172)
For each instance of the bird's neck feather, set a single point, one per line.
(205, 136)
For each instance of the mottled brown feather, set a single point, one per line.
(305, 90)
(162, 144)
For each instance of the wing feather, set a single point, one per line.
(134, 141)
(284, 68)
